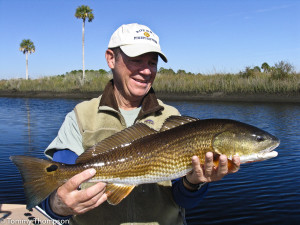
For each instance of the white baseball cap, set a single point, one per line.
(136, 39)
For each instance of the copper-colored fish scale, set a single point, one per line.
(156, 156)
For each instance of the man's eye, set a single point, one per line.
(136, 60)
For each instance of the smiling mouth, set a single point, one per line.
(140, 81)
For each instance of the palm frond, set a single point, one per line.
(83, 12)
(27, 46)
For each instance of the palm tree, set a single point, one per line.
(26, 47)
(84, 12)
(265, 66)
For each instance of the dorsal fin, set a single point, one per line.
(175, 121)
(120, 139)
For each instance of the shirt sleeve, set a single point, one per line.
(68, 137)
(62, 156)
(185, 198)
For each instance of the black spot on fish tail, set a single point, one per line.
(52, 168)
(38, 178)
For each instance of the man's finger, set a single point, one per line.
(73, 183)
(223, 166)
(91, 192)
(196, 163)
(236, 164)
(93, 203)
(209, 164)
(196, 174)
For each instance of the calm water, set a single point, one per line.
(260, 193)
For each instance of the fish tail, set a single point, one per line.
(40, 177)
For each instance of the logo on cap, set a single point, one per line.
(146, 34)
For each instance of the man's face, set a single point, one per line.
(133, 76)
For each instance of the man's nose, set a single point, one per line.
(146, 69)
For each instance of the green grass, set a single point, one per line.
(256, 83)
(61, 83)
(228, 84)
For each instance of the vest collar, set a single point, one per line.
(149, 102)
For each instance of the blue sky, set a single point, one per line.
(198, 36)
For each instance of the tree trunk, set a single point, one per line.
(26, 65)
(83, 69)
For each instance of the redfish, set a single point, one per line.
(139, 155)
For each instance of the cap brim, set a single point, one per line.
(140, 49)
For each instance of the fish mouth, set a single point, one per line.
(270, 149)
(265, 154)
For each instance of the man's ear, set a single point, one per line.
(110, 58)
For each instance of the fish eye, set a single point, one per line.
(260, 138)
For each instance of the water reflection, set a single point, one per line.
(27, 126)
(28, 123)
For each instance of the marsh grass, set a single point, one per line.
(227, 84)
(71, 82)
(257, 83)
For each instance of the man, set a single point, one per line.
(132, 55)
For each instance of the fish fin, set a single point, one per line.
(122, 138)
(230, 164)
(39, 178)
(231, 167)
(117, 192)
(216, 157)
(175, 121)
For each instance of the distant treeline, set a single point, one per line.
(278, 79)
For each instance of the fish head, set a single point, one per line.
(250, 143)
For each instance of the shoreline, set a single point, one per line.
(271, 98)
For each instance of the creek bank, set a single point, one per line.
(276, 98)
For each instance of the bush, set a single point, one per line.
(282, 70)
(166, 71)
(250, 72)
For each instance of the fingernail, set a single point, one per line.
(92, 172)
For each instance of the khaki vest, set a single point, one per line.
(147, 203)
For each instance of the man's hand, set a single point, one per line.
(68, 200)
(208, 172)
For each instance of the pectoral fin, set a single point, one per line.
(117, 192)
(231, 165)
